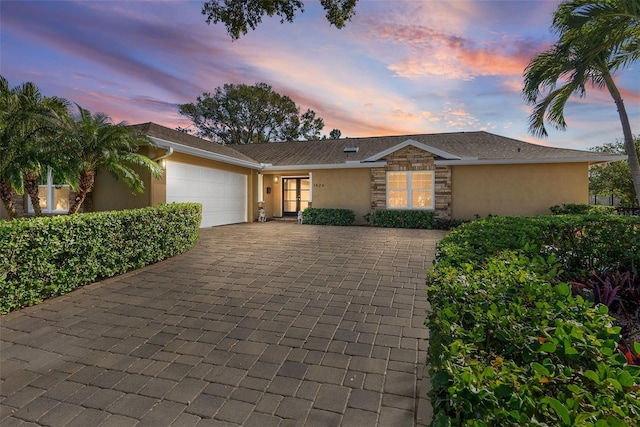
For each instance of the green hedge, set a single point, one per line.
(409, 219)
(509, 344)
(48, 256)
(325, 216)
(582, 209)
(401, 219)
(580, 242)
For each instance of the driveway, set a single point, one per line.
(261, 324)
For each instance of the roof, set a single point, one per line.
(458, 148)
(184, 143)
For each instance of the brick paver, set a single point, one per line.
(265, 324)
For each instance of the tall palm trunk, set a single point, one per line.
(6, 194)
(634, 163)
(84, 186)
(31, 181)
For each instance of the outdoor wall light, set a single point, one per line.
(275, 179)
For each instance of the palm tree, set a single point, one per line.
(95, 142)
(596, 39)
(29, 124)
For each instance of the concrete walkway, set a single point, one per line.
(263, 324)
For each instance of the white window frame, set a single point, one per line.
(409, 206)
(50, 186)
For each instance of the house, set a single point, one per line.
(457, 175)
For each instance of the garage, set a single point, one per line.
(223, 194)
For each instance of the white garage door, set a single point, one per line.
(223, 194)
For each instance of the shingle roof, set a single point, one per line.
(465, 145)
(156, 131)
(481, 147)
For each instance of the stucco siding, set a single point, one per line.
(343, 188)
(516, 189)
(330, 188)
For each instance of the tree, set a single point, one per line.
(335, 134)
(614, 178)
(95, 142)
(241, 114)
(29, 140)
(240, 15)
(596, 38)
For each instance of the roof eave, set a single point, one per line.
(347, 165)
(589, 160)
(185, 149)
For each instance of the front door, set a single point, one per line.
(295, 195)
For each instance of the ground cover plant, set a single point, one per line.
(49, 256)
(512, 343)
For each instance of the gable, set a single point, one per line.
(412, 143)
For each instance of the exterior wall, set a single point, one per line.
(412, 159)
(110, 194)
(272, 200)
(513, 190)
(330, 188)
(344, 189)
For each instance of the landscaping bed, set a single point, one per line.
(514, 340)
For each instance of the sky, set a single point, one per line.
(399, 67)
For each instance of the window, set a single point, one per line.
(54, 197)
(410, 190)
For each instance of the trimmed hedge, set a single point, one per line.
(400, 219)
(326, 216)
(581, 243)
(48, 256)
(419, 219)
(582, 209)
(509, 344)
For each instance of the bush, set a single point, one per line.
(582, 209)
(581, 243)
(410, 219)
(401, 219)
(48, 256)
(325, 216)
(509, 344)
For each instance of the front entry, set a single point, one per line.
(295, 195)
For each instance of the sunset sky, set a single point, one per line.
(399, 67)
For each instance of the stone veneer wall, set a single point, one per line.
(412, 159)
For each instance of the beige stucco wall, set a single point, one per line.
(112, 194)
(330, 188)
(343, 188)
(516, 189)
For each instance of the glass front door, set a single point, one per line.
(295, 195)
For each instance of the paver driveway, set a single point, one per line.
(263, 324)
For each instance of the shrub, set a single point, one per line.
(581, 243)
(48, 256)
(410, 219)
(401, 219)
(509, 344)
(582, 209)
(326, 216)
